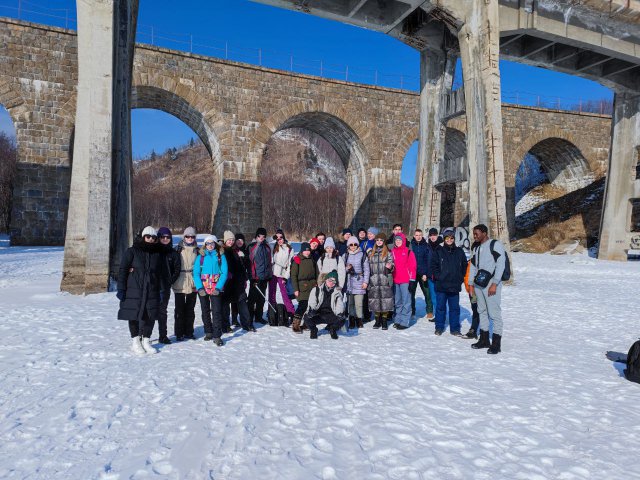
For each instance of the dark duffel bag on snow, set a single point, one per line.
(632, 372)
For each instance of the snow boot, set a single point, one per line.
(359, 323)
(384, 321)
(378, 323)
(146, 345)
(314, 333)
(483, 342)
(218, 342)
(352, 322)
(430, 317)
(471, 333)
(164, 340)
(296, 325)
(136, 347)
(208, 337)
(333, 333)
(282, 316)
(272, 316)
(495, 344)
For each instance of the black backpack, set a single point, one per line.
(632, 372)
(506, 275)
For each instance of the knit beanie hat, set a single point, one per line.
(433, 231)
(189, 232)
(228, 235)
(381, 236)
(305, 246)
(449, 232)
(314, 239)
(373, 230)
(261, 231)
(352, 241)
(164, 231)
(240, 236)
(329, 243)
(211, 239)
(332, 274)
(347, 230)
(148, 230)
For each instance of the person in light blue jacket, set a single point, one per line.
(209, 275)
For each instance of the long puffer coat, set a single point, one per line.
(142, 276)
(359, 274)
(380, 290)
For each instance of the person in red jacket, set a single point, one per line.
(404, 272)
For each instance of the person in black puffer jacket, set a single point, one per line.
(172, 261)
(141, 283)
(433, 241)
(448, 269)
(235, 286)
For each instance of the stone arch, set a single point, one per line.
(342, 129)
(146, 96)
(400, 151)
(13, 101)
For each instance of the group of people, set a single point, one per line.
(361, 278)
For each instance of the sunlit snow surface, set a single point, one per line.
(76, 404)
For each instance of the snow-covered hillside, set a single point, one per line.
(76, 404)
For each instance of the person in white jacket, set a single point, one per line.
(281, 308)
(330, 261)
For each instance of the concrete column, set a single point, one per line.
(103, 29)
(479, 51)
(622, 186)
(437, 68)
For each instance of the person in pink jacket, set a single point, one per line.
(404, 272)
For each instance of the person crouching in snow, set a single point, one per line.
(325, 306)
(141, 284)
(209, 275)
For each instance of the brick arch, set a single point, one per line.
(13, 101)
(401, 149)
(341, 128)
(580, 144)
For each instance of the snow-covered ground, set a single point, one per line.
(76, 404)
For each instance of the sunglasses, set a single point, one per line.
(379, 240)
(153, 237)
(209, 244)
(165, 236)
(279, 238)
(189, 236)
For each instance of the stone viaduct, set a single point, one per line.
(235, 108)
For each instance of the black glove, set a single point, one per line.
(120, 295)
(202, 292)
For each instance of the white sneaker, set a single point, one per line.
(136, 347)
(146, 345)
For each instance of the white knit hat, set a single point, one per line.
(211, 239)
(228, 235)
(149, 231)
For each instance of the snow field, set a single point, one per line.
(76, 404)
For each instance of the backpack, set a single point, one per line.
(632, 372)
(506, 275)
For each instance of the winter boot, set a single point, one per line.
(272, 316)
(495, 344)
(295, 326)
(383, 320)
(483, 342)
(218, 342)
(137, 346)
(314, 333)
(164, 340)
(352, 322)
(282, 319)
(146, 345)
(359, 323)
(333, 333)
(378, 323)
(208, 337)
(430, 317)
(471, 333)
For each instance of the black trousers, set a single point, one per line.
(211, 306)
(475, 319)
(162, 315)
(424, 286)
(302, 307)
(331, 319)
(185, 315)
(145, 326)
(256, 301)
(242, 310)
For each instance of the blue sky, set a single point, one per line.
(249, 32)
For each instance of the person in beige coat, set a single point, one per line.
(184, 287)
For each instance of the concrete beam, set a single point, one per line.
(615, 234)
(480, 51)
(437, 69)
(101, 104)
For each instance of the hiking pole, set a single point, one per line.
(265, 299)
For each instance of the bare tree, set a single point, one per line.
(8, 168)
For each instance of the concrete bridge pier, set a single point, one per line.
(99, 222)
(437, 68)
(623, 181)
(479, 41)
